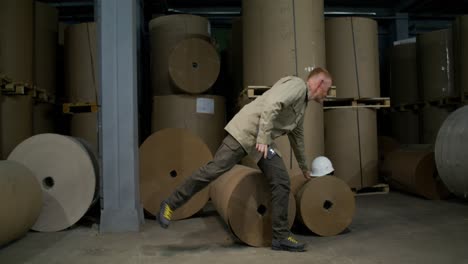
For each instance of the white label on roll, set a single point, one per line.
(205, 105)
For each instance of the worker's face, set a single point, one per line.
(318, 87)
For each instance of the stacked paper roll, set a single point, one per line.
(167, 158)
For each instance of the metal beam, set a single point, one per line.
(117, 34)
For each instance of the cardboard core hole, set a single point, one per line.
(261, 209)
(327, 205)
(48, 183)
(173, 173)
(194, 65)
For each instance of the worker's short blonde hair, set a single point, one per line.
(317, 71)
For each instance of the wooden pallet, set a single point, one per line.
(381, 188)
(446, 101)
(336, 103)
(256, 91)
(75, 108)
(42, 96)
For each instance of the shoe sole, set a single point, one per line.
(288, 249)
(165, 226)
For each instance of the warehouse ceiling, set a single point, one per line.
(222, 11)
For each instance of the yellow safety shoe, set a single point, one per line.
(165, 215)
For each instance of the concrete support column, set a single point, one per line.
(117, 41)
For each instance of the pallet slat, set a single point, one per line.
(75, 108)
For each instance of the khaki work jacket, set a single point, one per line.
(277, 112)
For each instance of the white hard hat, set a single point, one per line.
(321, 166)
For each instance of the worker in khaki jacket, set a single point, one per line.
(277, 112)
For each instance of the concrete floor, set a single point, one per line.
(393, 228)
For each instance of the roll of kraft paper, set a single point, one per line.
(68, 174)
(20, 200)
(242, 196)
(167, 158)
(194, 65)
(326, 205)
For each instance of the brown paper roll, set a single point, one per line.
(16, 33)
(326, 205)
(404, 74)
(194, 65)
(432, 119)
(460, 53)
(386, 145)
(204, 116)
(21, 200)
(406, 126)
(353, 56)
(45, 47)
(242, 196)
(435, 61)
(413, 171)
(16, 121)
(353, 151)
(43, 118)
(167, 158)
(67, 174)
(81, 83)
(84, 126)
(297, 41)
(166, 32)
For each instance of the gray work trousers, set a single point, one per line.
(229, 154)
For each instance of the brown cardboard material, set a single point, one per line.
(194, 65)
(67, 175)
(45, 45)
(296, 39)
(435, 62)
(16, 33)
(450, 152)
(460, 42)
(404, 74)
(342, 145)
(167, 158)
(84, 126)
(43, 118)
(386, 145)
(242, 196)
(165, 33)
(16, 121)
(413, 171)
(21, 198)
(353, 151)
(204, 116)
(352, 56)
(432, 119)
(326, 205)
(81, 84)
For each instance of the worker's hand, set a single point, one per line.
(263, 149)
(307, 175)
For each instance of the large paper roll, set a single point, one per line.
(194, 65)
(85, 126)
(404, 74)
(167, 158)
(353, 56)
(20, 200)
(16, 33)
(413, 171)
(435, 61)
(204, 116)
(432, 120)
(45, 47)
(165, 33)
(81, 63)
(16, 121)
(326, 205)
(67, 174)
(460, 53)
(353, 151)
(296, 37)
(43, 118)
(242, 196)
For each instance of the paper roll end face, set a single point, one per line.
(326, 205)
